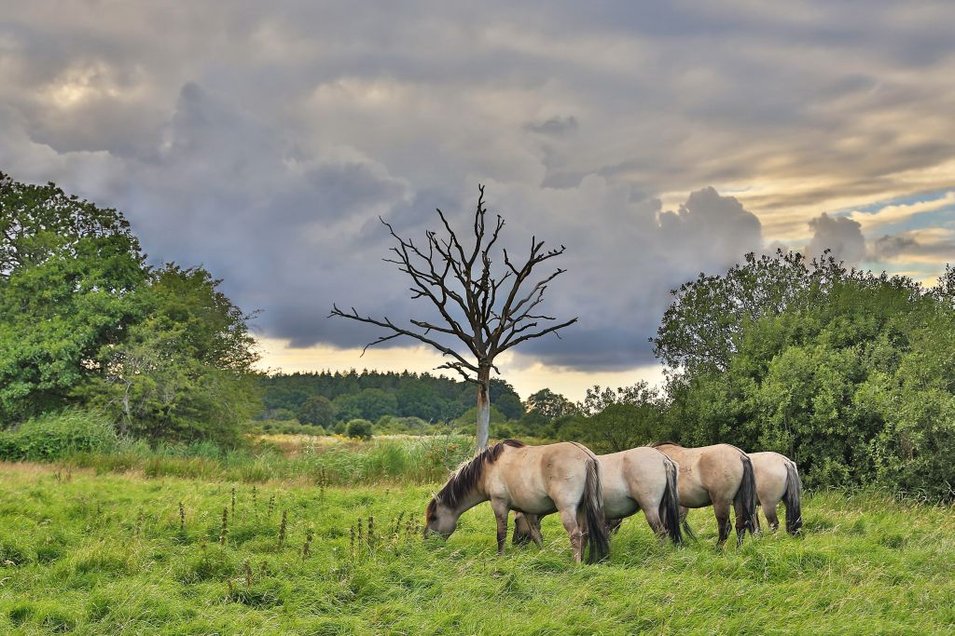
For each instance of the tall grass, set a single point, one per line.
(414, 460)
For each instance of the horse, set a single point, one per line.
(777, 478)
(562, 477)
(720, 475)
(632, 480)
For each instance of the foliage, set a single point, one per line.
(465, 422)
(372, 395)
(57, 435)
(84, 321)
(390, 424)
(850, 375)
(184, 371)
(68, 272)
(369, 404)
(614, 421)
(549, 405)
(358, 429)
(110, 554)
(317, 410)
(703, 326)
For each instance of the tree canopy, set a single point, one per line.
(848, 372)
(84, 321)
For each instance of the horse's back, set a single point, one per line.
(536, 479)
(707, 473)
(645, 470)
(769, 470)
(640, 472)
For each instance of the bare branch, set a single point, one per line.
(399, 331)
(489, 311)
(543, 332)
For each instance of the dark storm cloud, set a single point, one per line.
(264, 140)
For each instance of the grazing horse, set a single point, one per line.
(720, 475)
(778, 479)
(563, 477)
(632, 480)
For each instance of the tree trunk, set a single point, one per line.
(483, 407)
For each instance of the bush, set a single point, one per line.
(55, 435)
(359, 429)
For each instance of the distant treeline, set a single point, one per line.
(327, 399)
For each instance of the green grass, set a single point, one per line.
(106, 554)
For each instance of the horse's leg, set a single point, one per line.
(656, 524)
(527, 528)
(684, 523)
(536, 535)
(771, 518)
(722, 511)
(501, 509)
(568, 517)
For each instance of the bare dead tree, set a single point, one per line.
(488, 311)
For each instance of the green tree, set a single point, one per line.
(369, 404)
(850, 376)
(84, 320)
(317, 410)
(703, 326)
(68, 276)
(184, 371)
(506, 399)
(550, 405)
(621, 419)
(359, 429)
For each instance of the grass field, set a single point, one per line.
(115, 554)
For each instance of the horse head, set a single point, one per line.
(440, 519)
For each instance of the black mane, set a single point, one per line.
(467, 476)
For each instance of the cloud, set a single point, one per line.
(714, 225)
(899, 213)
(935, 246)
(840, 235)
(264, 141)
(555, 126)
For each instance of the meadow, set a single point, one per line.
(105, 550)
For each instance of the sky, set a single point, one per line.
(653, 140)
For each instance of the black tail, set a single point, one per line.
(598, 539)
(791, 499)
(687, 530)
(670, 504)
(747, 495)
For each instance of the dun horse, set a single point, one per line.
(720, 475)
(632, 480)
(778, 479)
(538, 480)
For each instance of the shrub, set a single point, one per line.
(55, 435)
(358, 429)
